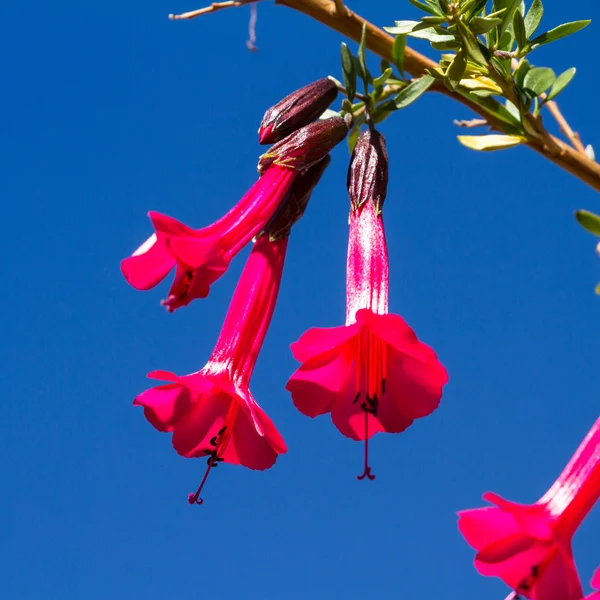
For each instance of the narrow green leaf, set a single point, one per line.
(533, 17)
(481, 25)
(558, 33)
(488, 143)
(471, 44)
(538, 79)
(521, 71)
(412, 92)
(562, 81)
(589, 221)
(379, 81)
(398, 52)
(424, 7)
(362, 60)
(507, 17)
(433, 20)
(431, 35)
(349, 72)
(402, 27)
(519, 29)
(455, 71)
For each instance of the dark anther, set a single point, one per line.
(383, 382)
(213, 440)
(222, 431)
(356, 398)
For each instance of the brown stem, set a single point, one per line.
(214, 7)
(379, 42)
(571, 135)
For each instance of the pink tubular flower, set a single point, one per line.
(201, 256)
(596, 585)
(529, 546)
(373, 374)
(212, 412)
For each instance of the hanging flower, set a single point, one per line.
(212, 412)
(373, 374)
(202, 256)
(529, 546)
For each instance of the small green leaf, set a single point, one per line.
(362, 60)
(533, 17)
(519, 29)
(398, 52)
(456, 70)
(507, 17)
(538, 79)
(402, 27)
(589, 221)
(488, 143)
(521, 71)
(411, 92)
(349, 71)
(597, 290)
(433, 20)
(562, 81)
(379, 81)
(471, 44)
(481, 25)
(424, 7)
(558, 33)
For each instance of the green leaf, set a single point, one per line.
(379, 81)
(488, 143)
(481, 25)
(538, 79)
(433, 20)
(471, 44)
(562, 81)
(455, 71)
(431, 35)
(519, 29)
(362, 60)
(349, 72)
(402, 27)
(597, 289)
(558, 33)
(424, 7)
(398, 52)
(521, 71)
(412, 92)
(533, 17)
(589, 221)
(507, 17)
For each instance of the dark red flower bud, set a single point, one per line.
(368, 170)
(306, 146)
(292, 207)
(296, 110)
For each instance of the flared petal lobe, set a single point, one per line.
(331, 376)
(202, 256)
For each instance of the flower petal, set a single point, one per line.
(191, 436)
(559, 579)
(415, 386)
(149, 267)
(315, 384)
(483, 526)
(322, 339)
(164, 406)
(390, 418)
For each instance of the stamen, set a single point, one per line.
(195, 498)
(367, 471)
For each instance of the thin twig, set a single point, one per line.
(472, 123)
(214, 7)
(339, 7)
(571, 135)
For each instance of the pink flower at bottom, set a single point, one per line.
(201, 256)
(212, 412)
(529, 546)
(373, 374)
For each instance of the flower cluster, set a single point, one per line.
(372, 374)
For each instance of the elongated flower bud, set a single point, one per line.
(306, 146)
(368, 171)
(296, 110)
(292, 207)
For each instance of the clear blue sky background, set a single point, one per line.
(110, 110)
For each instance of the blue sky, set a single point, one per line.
(111, 110)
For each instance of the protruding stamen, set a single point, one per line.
(195, 498)
(367, 471)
